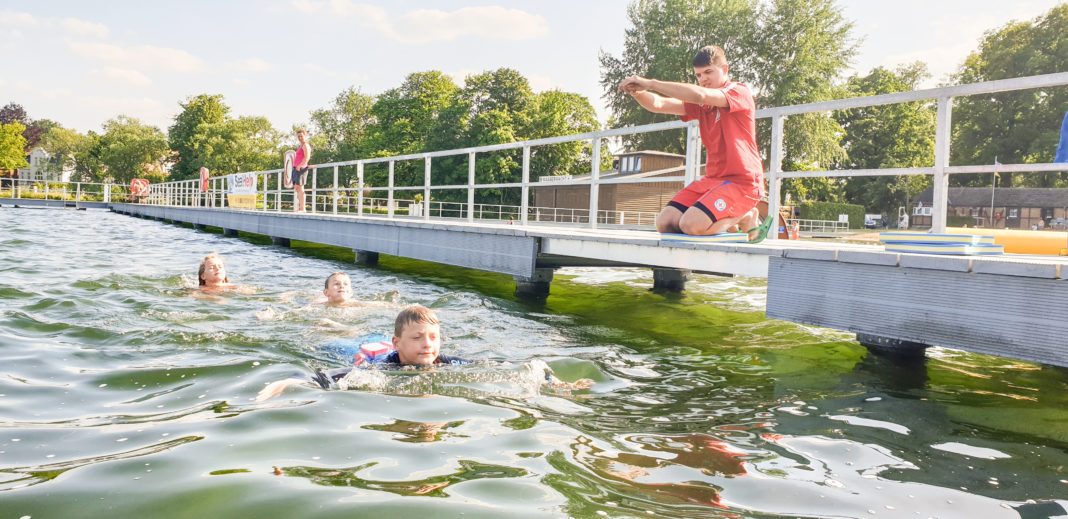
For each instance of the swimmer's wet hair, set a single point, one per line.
(414, 314)
(326, 285)
(709, 55)
(204, 266)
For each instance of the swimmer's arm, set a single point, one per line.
(276, 388)
(323, 379)
(582, 383)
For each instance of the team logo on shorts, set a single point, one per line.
(720, 204)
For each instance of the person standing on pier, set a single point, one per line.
(734, 177)
(300, 170)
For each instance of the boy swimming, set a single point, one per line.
(416, 342)
(338, 290)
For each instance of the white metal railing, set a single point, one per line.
(818, 225)
(270, 195)
(19, 188)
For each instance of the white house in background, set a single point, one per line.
(38, 170)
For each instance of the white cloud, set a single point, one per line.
(124, 76)
(241, 82)
(17, 19)
(429, 25)
(138, 56)
(490, 22)
(84, 28)
(55, 93)
(542, 83)
(255, 65)
(148, 110)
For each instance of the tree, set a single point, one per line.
(892, 136)
(405, 116)
(788, 53)
(129, 149)
(1013, 127)
(33, 131)
(242, 144)
(12, 146)
(63, 144)
(196, 111)
(493, 108)
(338, 132)
(88, 164)
(558, 113)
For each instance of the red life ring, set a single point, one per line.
(287, 169)
(204, 176)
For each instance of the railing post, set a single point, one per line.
(314, 187)
(360, 166)
(389, 191)
(426, 189)
(595, 177)
(278, 193)
(78, 191)
(941, 179)
(693, 152)
(774, 168)
(471, 187)
(359, 186)
(524, 204)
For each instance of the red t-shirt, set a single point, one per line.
(729, 136)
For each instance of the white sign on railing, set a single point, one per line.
(241, 183)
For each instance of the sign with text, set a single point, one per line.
(241, 184)
(241, 190)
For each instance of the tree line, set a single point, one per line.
(788, 51)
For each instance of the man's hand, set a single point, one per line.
(634, 84)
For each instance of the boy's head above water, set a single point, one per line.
(338, 288)
(213, 271)
(417, 336)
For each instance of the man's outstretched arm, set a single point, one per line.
(677, 91)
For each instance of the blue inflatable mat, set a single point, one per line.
(726, 237)
(961, 249)
(923, 237)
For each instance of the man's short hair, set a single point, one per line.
(414, 314)
(709, 55)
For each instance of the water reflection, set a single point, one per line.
(430, 487)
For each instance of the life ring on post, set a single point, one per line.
(287, 169)
(138, 189)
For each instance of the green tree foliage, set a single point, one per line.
(561, 113)
(339, 132)
(1014, 127)
(129, 149)
(406, 116)
(188, 129)
(232, 145)
(33, 131)
(499, 107)
(63, 144)
(12, 146)
(88, 162)
(891, 136)
(788, 52)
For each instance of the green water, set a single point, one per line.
(125, 393)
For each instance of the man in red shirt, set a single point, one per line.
(734, 178)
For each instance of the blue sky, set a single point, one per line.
(83, 62)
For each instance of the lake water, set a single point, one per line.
(124, 394)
